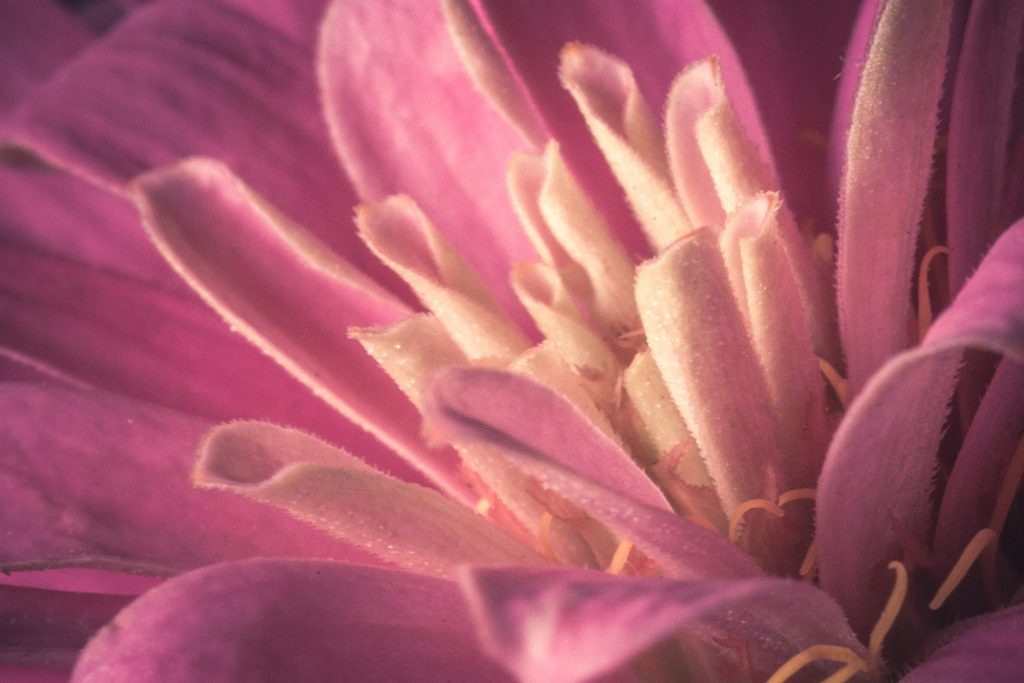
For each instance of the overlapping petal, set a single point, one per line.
(875, 488)
(988, 648)
(571, 625)
(273, 620)
(97, 480)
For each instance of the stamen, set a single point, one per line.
(544, 536)
(808, 565)
(483, 506)
(839, 383)
(796, 494)
(1007, 492)
(620, 557)
(958, 573)
(744, 508)
(844, 674)
(924, 301)
(888, 616)
(831, 653)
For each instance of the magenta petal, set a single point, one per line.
(980, 467)
(979, 133)
(36, 37)
(989, 648)
(48, 628)
(427, 133)
(511, 411)
(96, 480)
(302, 622)
(177, 79)
(888, 160)
(116, 334)
(571, 625)
(288, 294)
(57, 213)
(875, 488)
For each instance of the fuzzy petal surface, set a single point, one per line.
(302, 621)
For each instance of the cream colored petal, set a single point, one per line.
(544, 365)
(550, 305)
(783, 344)
(739, 174)
(410, 351)
(701, 347)
(695, 90)
(412, 526)
(401, 236)
(582, 232)
(413, 350)
(526, 176)
(491, 73)
(630, 139)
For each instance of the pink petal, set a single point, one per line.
(91, 479)
(95, 329)
(682, 548)
(177, 79)
(508, 410)
(875, 488)
(48, 628)
(792, 52)
(571, 625)
(411, 526)
(288, 294)
(406, 118)
(269, 620)
(299, 21)
(36, 38)
(990, 648)
(887, 165)
(57, 213)
(979, 133)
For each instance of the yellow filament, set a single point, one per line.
(745, 507)
(807, 566)
(544, 536)
(838, 382)
(1007, 492)
(1011, 482)
(482, 506)
(796, 494)
(619, 558)
(888, 615)
(981, 540)
(831, 653)
(844, 674)
(924, 301)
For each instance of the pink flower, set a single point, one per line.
(665, 486)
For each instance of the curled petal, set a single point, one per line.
(412, 526)
(232, 249)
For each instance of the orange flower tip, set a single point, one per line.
(572, 50)
(619, 557)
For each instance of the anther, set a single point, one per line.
(838, 382)
(958, 573)
(743, 508)
(620, 557)
(924, 301)
(831, 653)
(888, 616)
